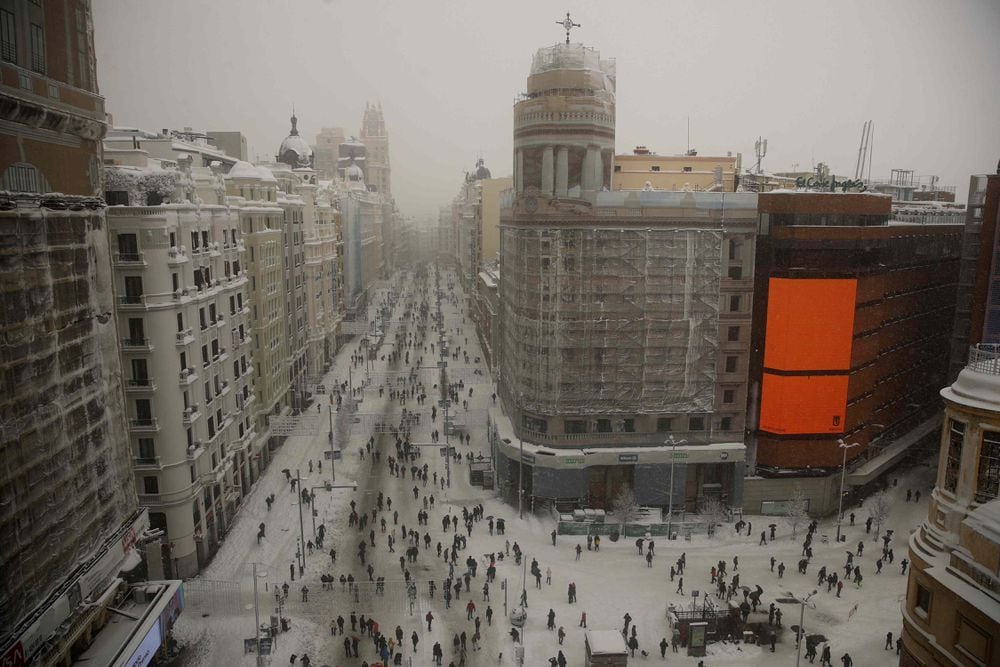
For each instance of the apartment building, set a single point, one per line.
(254, 192)
(184, 332)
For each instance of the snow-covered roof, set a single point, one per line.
(985, 519)
(602, 642)
(243, 169)
(266, 175)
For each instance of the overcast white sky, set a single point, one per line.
(805, 75)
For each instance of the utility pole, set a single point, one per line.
(843, 471)
(333, 457)
(302, 530)
(256, 616)
(670, 500)
(520, 481)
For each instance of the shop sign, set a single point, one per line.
(830, 184)
(573, 460)
(628, 458)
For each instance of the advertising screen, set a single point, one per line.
(801, 404)
(810, 324)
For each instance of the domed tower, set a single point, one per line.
(564, 125)
(294, 150)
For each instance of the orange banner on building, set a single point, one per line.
(810, 324)
(800, 404)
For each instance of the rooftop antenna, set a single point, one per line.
(863, 148)
(689, 136)
(760, 149)
(567, 24)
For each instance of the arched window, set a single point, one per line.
(23, 177)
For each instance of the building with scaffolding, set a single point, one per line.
(625, 316)
(880, 294)
(69, 516)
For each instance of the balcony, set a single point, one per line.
(147, 463)
(131, 260)
(150, 425)
(190, 415)
(140, 386)
(195, 450)
(185, 337)
(219, 320)
(132, 302)
(226, 388)
(187, 376)
(136, 345)
(176, 257)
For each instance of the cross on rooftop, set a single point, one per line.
(567, 24)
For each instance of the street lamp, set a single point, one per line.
(520, 481)
(802, 602)
(843, 472)
(670, 500)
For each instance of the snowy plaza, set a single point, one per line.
(610, 583)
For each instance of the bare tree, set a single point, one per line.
(798, 509)
(713, 512)
(878, 507)
(624, 507)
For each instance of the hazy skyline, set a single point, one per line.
(806, 76)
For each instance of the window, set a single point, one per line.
(922, 605)
(972, 641)
(133, 289)
(735, 272)
(37, 48)
(664, 424)
(603, 426)
(696, 423)
(618, 168)
(687, 169)
(545, 263)
(150, 485)
(734, 303)
(655, 167)
(726, 424)
(575, 426)
(136, 331)
(731, 364)
(569, 263)
(988, 479)
(733, 334)
(729, 396)
(147, 450)
(180, 322)
(953, 463)
(116, 197)
(734, 249)
(628, 425)
(8, 37)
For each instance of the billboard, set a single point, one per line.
(810, 324)
(802, 404)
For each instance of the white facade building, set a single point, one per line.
(182, 317)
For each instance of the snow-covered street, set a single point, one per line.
(610, 583)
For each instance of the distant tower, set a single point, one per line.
(564, 125)
(294, 150)
(376, 140)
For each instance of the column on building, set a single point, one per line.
(547, 168)
(519, 170)
(562, 171)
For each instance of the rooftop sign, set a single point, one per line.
(830, 184)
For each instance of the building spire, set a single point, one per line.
(567, 24)
(295, 130)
